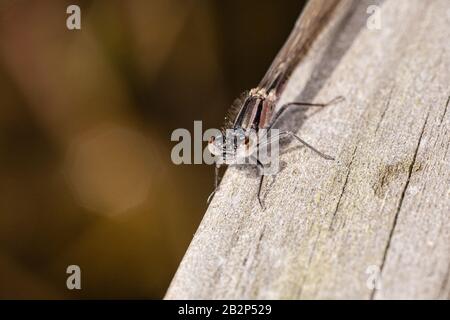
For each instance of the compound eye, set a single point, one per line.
(215, 145)
(248, 145)
(241, 138)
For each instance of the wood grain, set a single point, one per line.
(384, 204)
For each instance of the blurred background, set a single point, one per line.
(86, 117)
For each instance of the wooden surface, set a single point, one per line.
(383, 205)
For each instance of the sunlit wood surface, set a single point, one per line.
(373, 224)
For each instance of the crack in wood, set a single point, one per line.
(385, 109)
(343, 188)
(399, 206)
(445, 111)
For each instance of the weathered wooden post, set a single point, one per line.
(373, 224)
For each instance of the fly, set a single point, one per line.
(255, 113)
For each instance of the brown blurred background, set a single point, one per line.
(85, 122)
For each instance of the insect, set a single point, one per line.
(255, 113)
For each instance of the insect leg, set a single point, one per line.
(216, 183)
(291, 134)
(284, 107)
(261, 179)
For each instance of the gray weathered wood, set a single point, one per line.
(384, 204)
